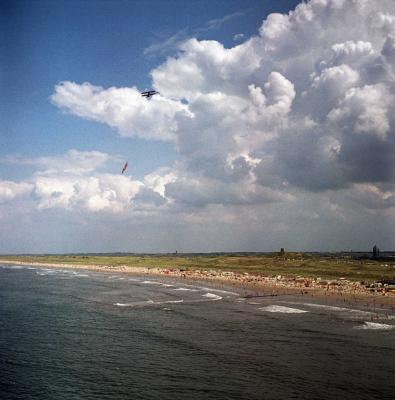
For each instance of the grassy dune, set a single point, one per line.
(327, 266)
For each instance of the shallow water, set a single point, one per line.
(87, 335)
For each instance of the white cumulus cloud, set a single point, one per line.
(10, 190)
(302, 109)
(121, 108)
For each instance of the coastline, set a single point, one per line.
(253, 285)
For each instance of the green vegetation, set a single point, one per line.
(351, 266)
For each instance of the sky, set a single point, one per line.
(274, 125)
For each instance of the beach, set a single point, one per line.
(253, 285)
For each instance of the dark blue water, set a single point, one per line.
(85, 335)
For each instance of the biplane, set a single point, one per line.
(149, 93)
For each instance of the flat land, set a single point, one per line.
(351, 266)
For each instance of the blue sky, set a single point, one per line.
(274, 126)
(101, 42)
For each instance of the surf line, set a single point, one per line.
(208, 297)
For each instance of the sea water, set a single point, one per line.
(86, 335)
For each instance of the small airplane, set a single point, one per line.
(125, 167)
(149, 93)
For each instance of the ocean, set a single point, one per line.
(72, 335)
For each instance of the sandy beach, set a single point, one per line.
(252, 285)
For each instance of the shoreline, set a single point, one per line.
(340, 290)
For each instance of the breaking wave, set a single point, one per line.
(212, 296)
(375, 326)
(148, 302)
(219, 291)
(282, 309)
(135, 303)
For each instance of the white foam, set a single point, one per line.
(340, 309)
(8, 266)
(212, 290)
(219, 291)
(183, 289)
(170, 301)
(282, 309)
(375, 326)
(325, 307)
(352, 312)
(212, 296)
(151, 283)
(134, 304)
(144, 303)
(122, 304)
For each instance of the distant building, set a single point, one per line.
(282, 251)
